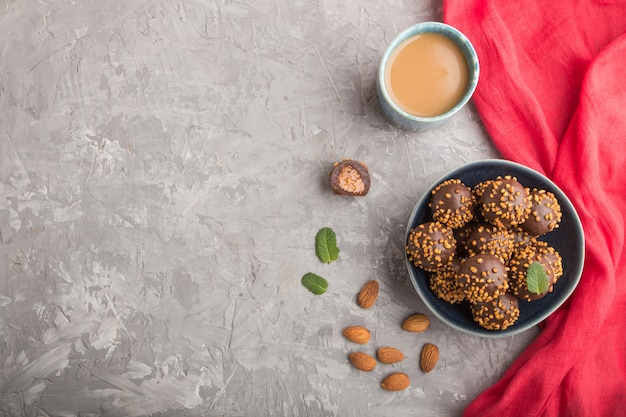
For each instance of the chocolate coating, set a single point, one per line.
(485, 238)
(480, 188)
(518, 270)
(505, 202)
(497, 314)
(461, 236)
(431, 246)
(482, 277)
(350, 177)
(444, 283)
(452, 203)
(545, 213)
(521, 239)
(554, 260)
(480, 243)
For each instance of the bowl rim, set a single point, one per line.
(457, 37)
(575, 274)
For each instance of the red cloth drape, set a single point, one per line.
(552, 96)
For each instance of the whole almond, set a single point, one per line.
(389, 355)
(429, 357)
(396, 382)
(362, 361)
(416, 323)
(357, 334)
(368, 294)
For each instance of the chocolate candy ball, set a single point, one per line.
(479, 189)
(431, 246)
(518, 271)
(445, 285)
(497, 314)
(505, 202)
(482, 277)
(452, 203)
(554, 260)
(461, 236)
(490, 239)
(545, 213)
(521, 239)
(350, 177)
(551, 257)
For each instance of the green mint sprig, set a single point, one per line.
(326, 245)
(537, 278)
(314, 283)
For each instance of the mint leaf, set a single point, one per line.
(326, 245)
(314, 283)
(537, 278)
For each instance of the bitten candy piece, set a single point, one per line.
(350, 177)
(431, 246)
(452, 203)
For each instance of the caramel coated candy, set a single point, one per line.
(350, 177)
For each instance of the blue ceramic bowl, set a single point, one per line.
(567, 239)
(409, 121)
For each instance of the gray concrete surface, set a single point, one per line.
(163, 173)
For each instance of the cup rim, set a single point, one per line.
(446, 30)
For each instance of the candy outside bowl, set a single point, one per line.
(567, 239)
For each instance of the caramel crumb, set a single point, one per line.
(350, 180)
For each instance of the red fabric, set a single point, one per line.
(552, 95)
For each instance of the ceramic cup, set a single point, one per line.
(409, 121)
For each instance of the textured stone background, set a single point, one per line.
(163, 173)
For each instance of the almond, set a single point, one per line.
(429, 357)
(368, 294)
(357, 334)
(416, 323)
(389, 355)
(396, 382)
(362, 361)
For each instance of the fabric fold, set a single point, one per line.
(551, 96)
